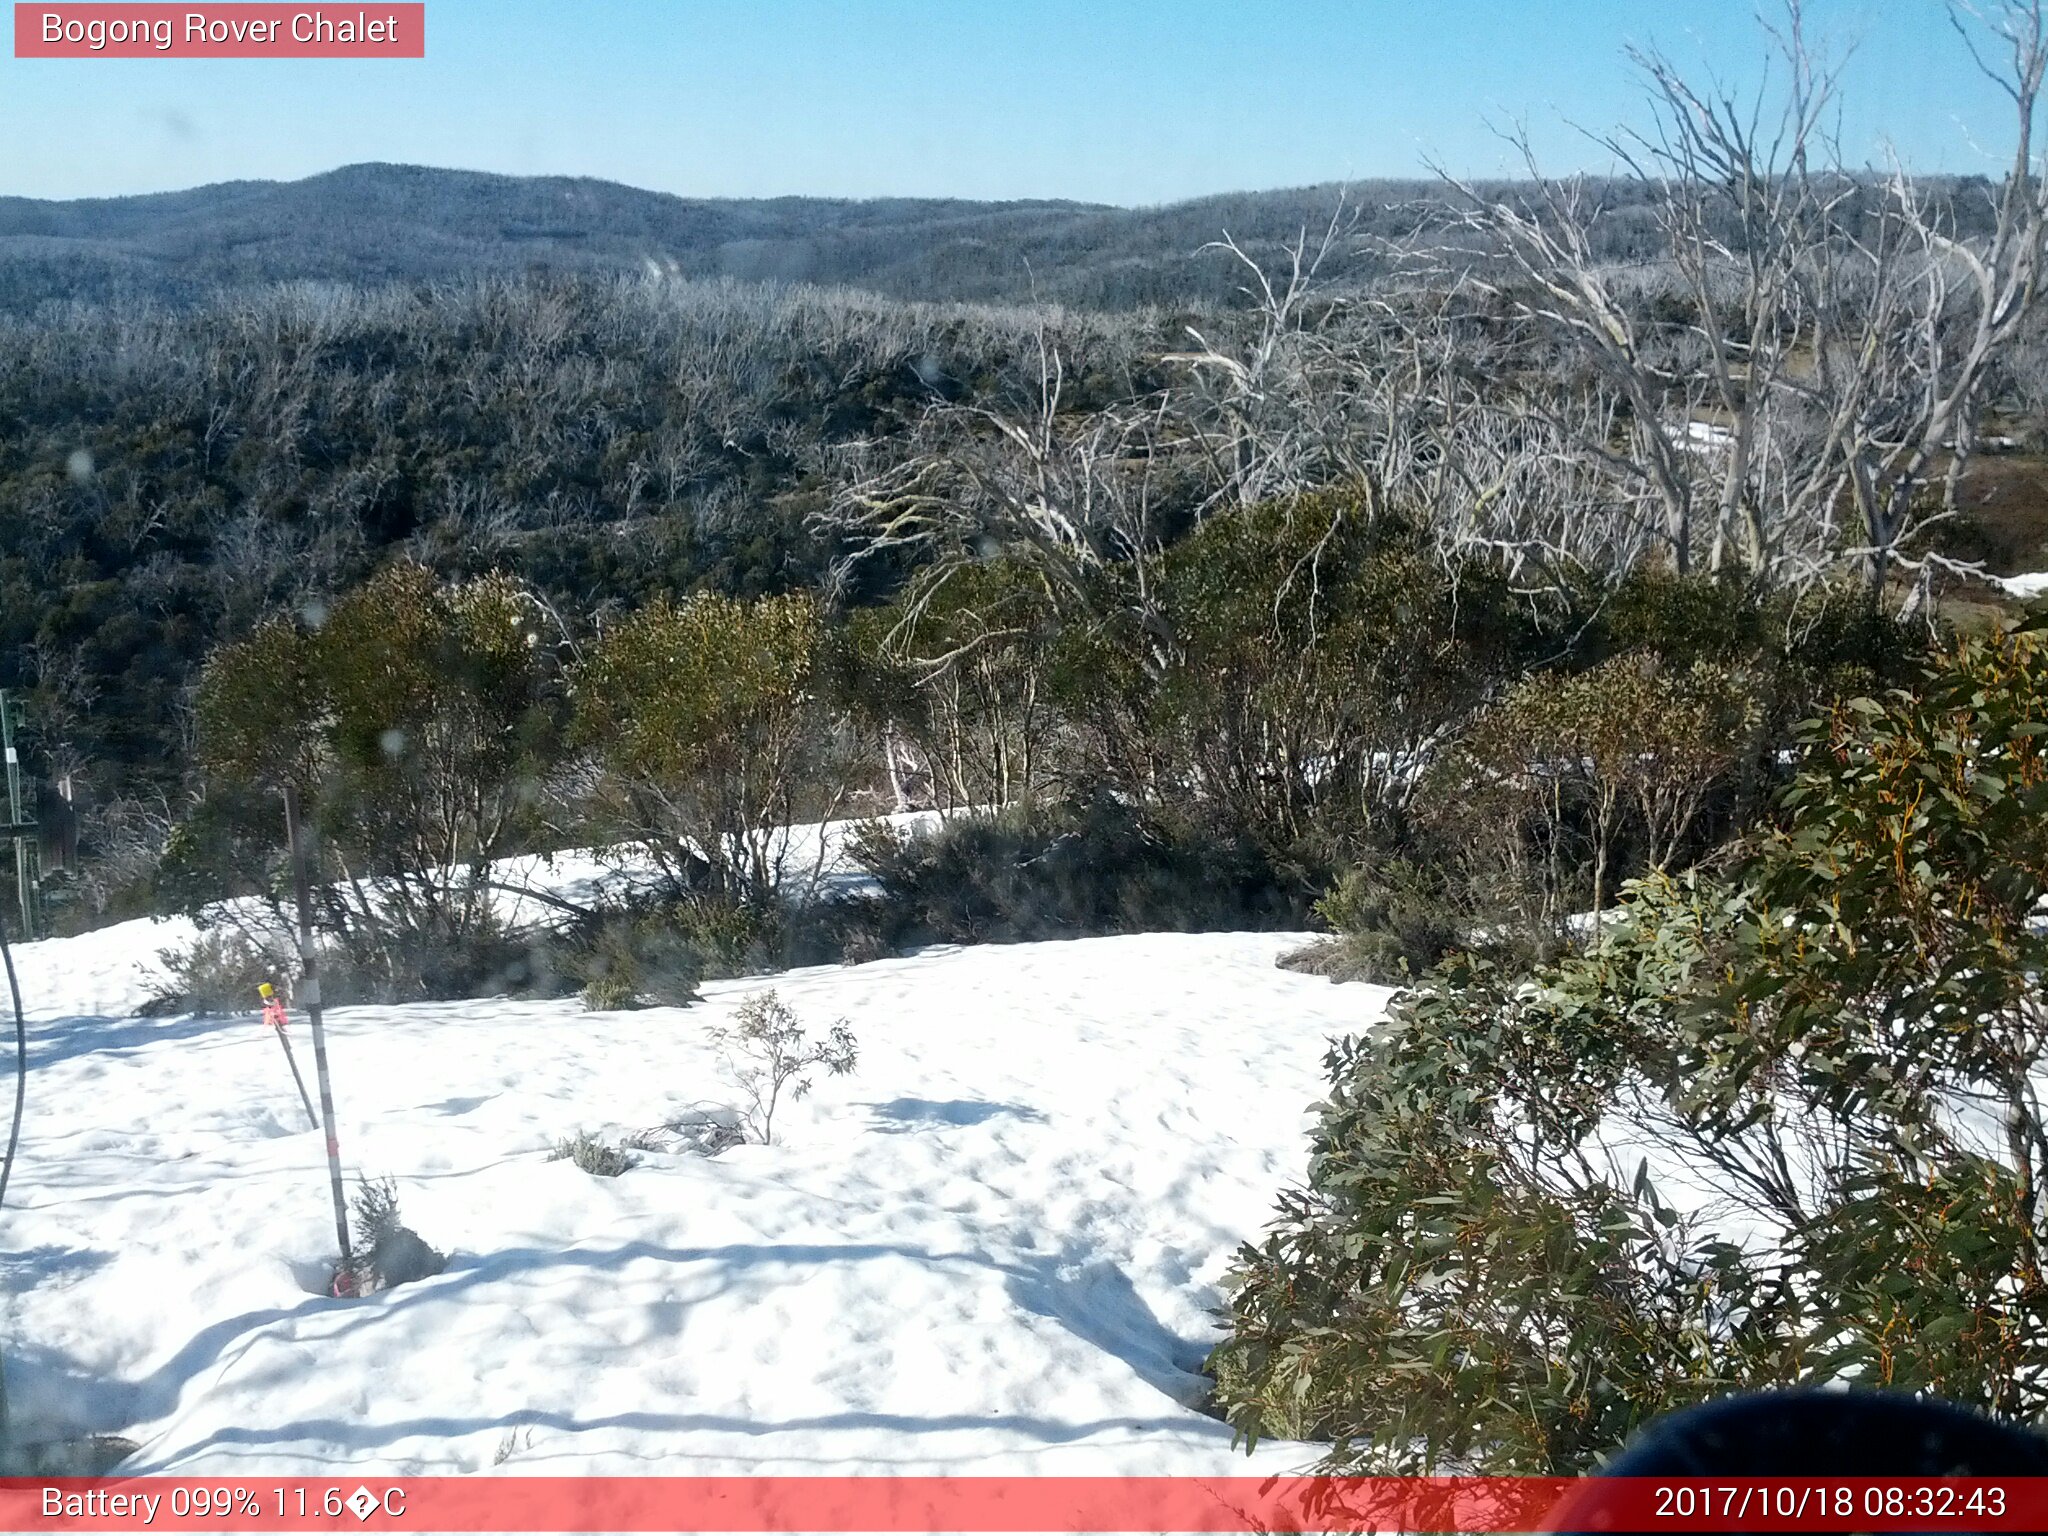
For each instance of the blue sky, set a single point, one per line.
(1121, 101)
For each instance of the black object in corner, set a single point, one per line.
(1805, 1433)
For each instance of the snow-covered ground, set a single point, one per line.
(116, 969)
(812, 857)
(995, 1248)
(2029, 584)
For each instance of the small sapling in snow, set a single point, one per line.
(387, 1252)
(767, 1050)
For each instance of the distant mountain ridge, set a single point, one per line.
(378, 223)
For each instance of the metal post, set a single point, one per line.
(10, 712)
(293, 1062)
(309, 999)
(20, 827)
(24, 888)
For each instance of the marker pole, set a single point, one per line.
(274, 1016)
(309, 998)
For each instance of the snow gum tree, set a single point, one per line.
(707, 722)
(1779, 1128)
(414, 719)
(1817, 395)
(1569, 767)
(961, 675)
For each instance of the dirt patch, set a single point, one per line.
(2005, 518)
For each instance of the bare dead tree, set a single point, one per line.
(1942, 310)
(1258, 409)
(1841, 337)
(1065, 492)
(1794, 386)
(1547, 240)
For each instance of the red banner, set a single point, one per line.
(1009, 1504)
(373, 30)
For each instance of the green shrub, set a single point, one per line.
(706, 724)
(413, 719)
(1440, 1296)
(632, 956)
(730, 939)
(1580, 778)
(427, 963)
(1087, 866)
(863, 937)
(608, 993)
(593, 1155)
(218, 972)
(1317, 648)
(1482, 1271)
(1391, 920)
(387, 1251)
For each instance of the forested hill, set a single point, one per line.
(378, 223)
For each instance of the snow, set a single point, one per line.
(2026, 585)
(994, 1248)
(1705, 437)
(811, 859)
(108, 972)
(809, 849)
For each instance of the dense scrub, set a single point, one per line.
(1602, 572)
(1827, 1056)
(169, 480)
(1043, 550)
(1068, 870)
(1324, 705)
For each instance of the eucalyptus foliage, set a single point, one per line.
(706, 721)
(1777, 1127)
(415, 719)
